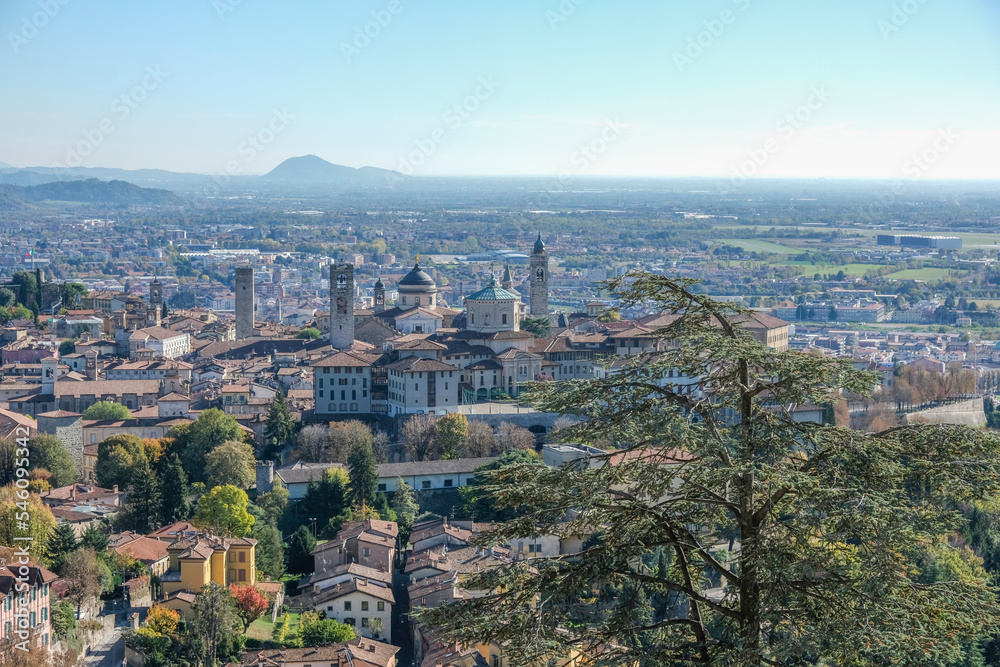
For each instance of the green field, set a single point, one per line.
(756, 245)
(263, 629)
(919, 274)
(849, 269)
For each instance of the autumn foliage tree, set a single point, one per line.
(251, 603)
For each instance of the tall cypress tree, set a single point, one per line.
(174, 505)
(364, 476)
(142, 509)
(280, 427)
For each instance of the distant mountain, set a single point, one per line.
(4, 165)
(312, 170)
(118, 193)
(25, 177)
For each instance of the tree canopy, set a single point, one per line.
(107, 410)
(816, 535)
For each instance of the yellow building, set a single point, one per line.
(199, 559)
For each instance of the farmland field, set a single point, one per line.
(919, 274)
(756, 245)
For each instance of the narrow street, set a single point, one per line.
(400, 623)
(109, 654)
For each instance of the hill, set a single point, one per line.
(118, 193)
(4, 165)
(313, 170)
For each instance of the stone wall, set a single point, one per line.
(966, 413)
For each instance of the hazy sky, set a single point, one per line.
(534, 80)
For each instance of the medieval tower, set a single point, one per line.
(379, 296)
(539, 295)
(341, 306)
(243, 287)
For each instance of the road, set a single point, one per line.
(109, 654)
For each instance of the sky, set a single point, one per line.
(896, 89)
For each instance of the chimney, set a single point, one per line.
(114, 488)
(72, 492)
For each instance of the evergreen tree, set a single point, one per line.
(280, 427)
(174, 505)
(94, 537)
(404, 503)
(325, 499)
(300, 546)
(363, 474)
(833, 526)
(216, 623)
(62, 542)
(269, 555)
(144, 503)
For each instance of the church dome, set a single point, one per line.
(493, 292)
(539, 246)
(417, 277)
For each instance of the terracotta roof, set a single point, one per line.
(420, 364)
(347, 358)
(143, 548)
(362, 652)
(354, 585)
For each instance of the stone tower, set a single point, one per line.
(508, 281)
(539, 305)
(244, 302)
(156, 294)
(379, 296)
(341, 306)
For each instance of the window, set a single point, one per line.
(347, 607)
(504, 318)
(425, 484)
(45, 614)
(243, 575)
(380, 606)
(242, 557)
(381, 487)
(34, 595)
(364, 621)
(321, 393)
(365, 552)
(364, 607)
(32, 619)
(342, 381)
(448, 482)
(329, 607)
(349, 620)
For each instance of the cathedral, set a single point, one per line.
(433, 358)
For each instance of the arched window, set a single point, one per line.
(504, 316)
(341, 281)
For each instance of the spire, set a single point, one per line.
(508, 281)
(539, 246)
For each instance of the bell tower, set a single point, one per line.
(342, 306)
(379, 296)
(539, 304)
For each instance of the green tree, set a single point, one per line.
(280, 427)
(274, 502)
(269, 554)
(107, 411)
(541, 327)
(404, 503)
(82, 576)
(173, 491)
(452, 429)
(830, 523)
(363, 475)
(96, 538)
(215, 621)
(326, 498)
(195, 441)
(476, 500)
(300, 546)
(316, 631)
(309, 333)
(116, 457)
(231, 462)
(224, 510)
(67, 347)
(7, 298)
(144, 503)
(61, 544)
(48, 452)
(64, 620)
